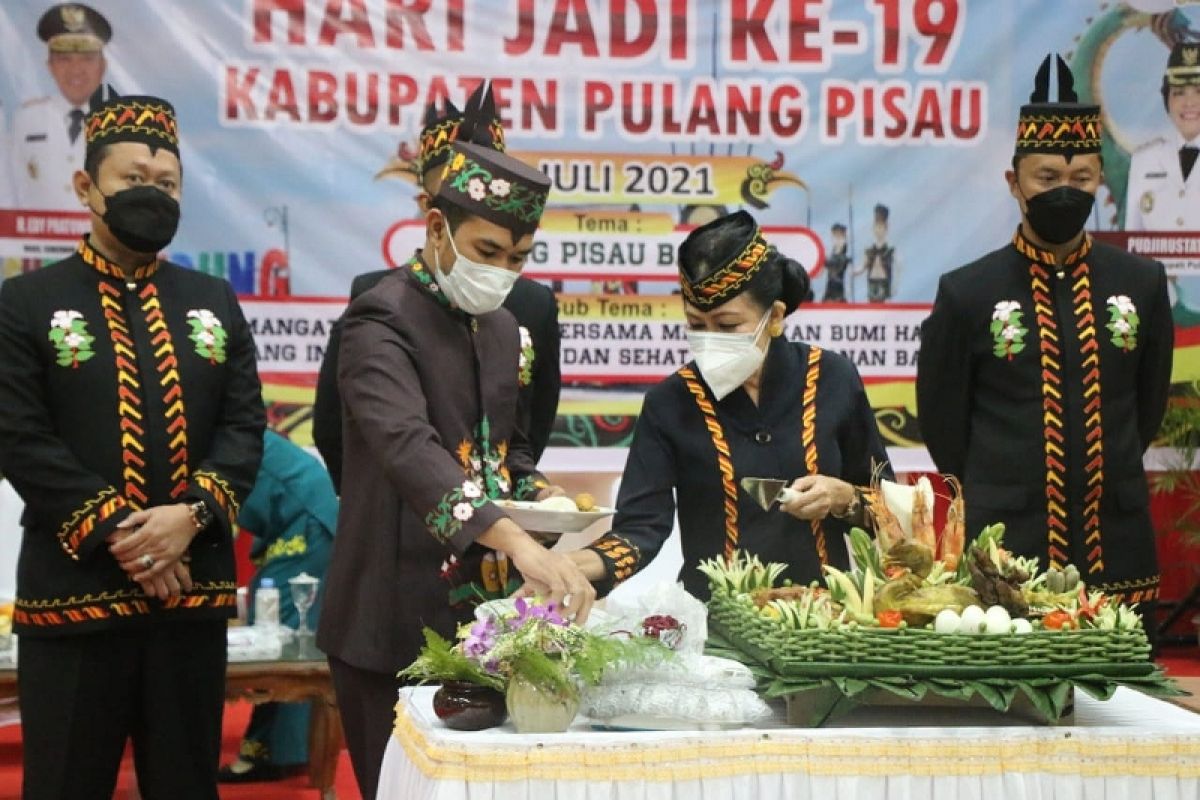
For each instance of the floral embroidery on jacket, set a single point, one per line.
(425, 278)
(208, 334)
(525, 365)
(528, 487)
(454, 509)
(1008, 333)
(69, 334)
(487, 478)
(1123, 322)
(486, 463)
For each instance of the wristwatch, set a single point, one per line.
(202, 516)
(852, 508)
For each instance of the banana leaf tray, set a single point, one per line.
(867, 651)
(821, 683)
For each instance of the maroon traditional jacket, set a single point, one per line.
(430, 410)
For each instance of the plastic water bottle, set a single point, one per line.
(266, 605)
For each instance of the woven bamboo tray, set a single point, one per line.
(905, 651)
(817, 708)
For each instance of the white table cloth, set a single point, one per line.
(1132, 746)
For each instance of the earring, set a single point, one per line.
(776, 329)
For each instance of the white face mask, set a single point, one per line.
(726, 360)
(473, 287)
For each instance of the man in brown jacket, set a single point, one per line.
(428, 373)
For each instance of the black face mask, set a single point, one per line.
(1058, 215)
(143, 218)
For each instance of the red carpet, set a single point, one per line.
(1180, 662)
(236, 716)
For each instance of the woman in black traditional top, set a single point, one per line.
(751, 404)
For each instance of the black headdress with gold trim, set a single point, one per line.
(718, 261)
(442, 128)
(1066, 127)
(133, 118)
(495, 186)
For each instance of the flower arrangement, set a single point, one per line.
(534, 643)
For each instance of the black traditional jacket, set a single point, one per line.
(1041, 385)
(690, 452)
(429, 408)
(122, 395)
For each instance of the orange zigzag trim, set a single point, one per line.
(93, 512)
(167, 368)
(727, 281)
(1093, 422)
(623, 554)
(121, 603)
(808, 436)
(724, 461)
(106, 267)
(149, 118)
(129, 401)
(1137, 590)
(1056, 515)
(221, 491)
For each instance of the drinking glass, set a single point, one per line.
(304, 594)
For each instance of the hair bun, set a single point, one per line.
(796, 286)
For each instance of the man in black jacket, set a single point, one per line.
(533, 304)
(1045, 366)
(132, 429)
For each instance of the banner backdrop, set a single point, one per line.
(891, 119)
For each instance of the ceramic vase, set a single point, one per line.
(466, 706)
(535, 709)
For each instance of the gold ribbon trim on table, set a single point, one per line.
(766, 752)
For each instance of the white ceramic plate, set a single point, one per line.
(534, 519)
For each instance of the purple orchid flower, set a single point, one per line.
(527, 611)
(481, 639)
(550, 614)
(522, 609)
